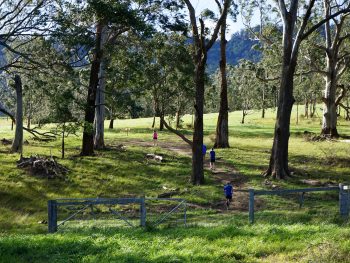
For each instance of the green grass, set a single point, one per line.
(282, 232)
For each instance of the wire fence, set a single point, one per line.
(308, 205)
(297, 207)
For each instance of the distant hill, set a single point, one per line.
(238, 47)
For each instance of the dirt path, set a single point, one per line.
(178, 147)
(224, 171)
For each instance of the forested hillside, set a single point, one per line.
(240, 46)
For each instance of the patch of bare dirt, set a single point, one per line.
(179, 147)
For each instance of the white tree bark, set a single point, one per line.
(329, 120)
(332, 49)
(100, 99)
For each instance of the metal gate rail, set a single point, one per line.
(91, 202)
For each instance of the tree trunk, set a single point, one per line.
(29, 117)
(99, 142)
(200, 49)
(306, 110)
(111, 124)
(88, 135)
(263, 103)
(154, 121)
(297, 114)
(177, 119)
(63, 141)
(161, 124)
(221, 140)
(329, 120)
(244, 113)
(192, 121)
(17, 145)
(278, 166)
(312, 107)
(197, 155)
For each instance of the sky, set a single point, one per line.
(200, 5)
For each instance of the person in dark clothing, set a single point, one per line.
(212, 159)
(204, 150)
(228, 190)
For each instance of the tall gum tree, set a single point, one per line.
(120, 16)
(201, 46)
(292, 38)
(337, 61)
(222, 133)
(17, 143)
(108, 14)
(100, 97)
(88, 135)
(21, 22)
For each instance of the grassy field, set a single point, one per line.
(282, 232)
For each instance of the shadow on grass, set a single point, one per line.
(321, 168)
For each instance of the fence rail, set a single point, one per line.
(344, 197)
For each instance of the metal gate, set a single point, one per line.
(132, 212)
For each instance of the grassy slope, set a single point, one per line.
(279, 235)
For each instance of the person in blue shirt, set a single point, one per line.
(212, 158)
(204, 150)
(228, 190)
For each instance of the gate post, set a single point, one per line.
(143, 212)
(185, 213)
(251, 206)
(52, 216)
(344, 201)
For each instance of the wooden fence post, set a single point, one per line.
(185, 214)
(344, 201)
(143, 212)
(251, 206)
(301, 200)
(52, 216)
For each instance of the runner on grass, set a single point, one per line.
(228, 190)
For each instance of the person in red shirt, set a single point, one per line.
(155, 138)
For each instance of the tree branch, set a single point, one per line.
(320, 23)
(7, 112)
(300, 33)
(223, 16)
(193, 21)
(341, 96)
(183, 137)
